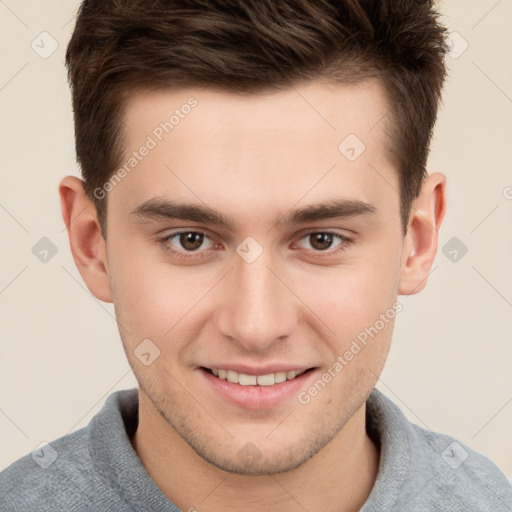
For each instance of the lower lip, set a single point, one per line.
(257, 397)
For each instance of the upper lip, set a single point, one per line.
(259, 370)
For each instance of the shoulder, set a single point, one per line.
(75, 472)
(424, 471)
(462, 475)
(58, 471)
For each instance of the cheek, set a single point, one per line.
(350, 298)
(157, 300)
(151, 297)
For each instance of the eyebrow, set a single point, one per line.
(157, 208)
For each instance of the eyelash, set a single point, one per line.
(342, 246)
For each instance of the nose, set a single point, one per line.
(258, 309)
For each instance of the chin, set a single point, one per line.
(249, 460)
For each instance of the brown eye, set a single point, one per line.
(184, 242)
(195, 245)
(320, 241)
(191, 241)
(327, 242)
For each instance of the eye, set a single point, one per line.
(194, 244)
(321, 241)
(187, 242)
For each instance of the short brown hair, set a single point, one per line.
(248, 46)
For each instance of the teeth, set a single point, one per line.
(279, 377)
(246, 380)
(232, 377)
(255, 380)
(266, 380)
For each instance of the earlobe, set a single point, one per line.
(421, 240)
(85, 238)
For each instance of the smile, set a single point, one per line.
(243, 379)
(256, 388)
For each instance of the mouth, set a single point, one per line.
(244, 379)
(256, 389)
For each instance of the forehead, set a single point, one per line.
(268, 148)
(322, 108)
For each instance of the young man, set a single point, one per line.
(254, 201)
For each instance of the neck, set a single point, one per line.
(339, 477)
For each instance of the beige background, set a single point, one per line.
(450, 367)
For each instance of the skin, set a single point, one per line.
(253, 159)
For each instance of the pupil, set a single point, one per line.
(191, 241)
(321, 241)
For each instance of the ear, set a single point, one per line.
(421, 240)
(85, 238)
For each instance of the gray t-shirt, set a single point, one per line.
(95, 469)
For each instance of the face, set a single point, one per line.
(248, 248)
